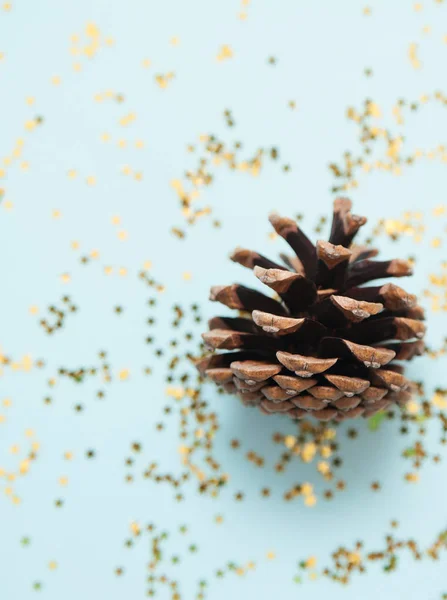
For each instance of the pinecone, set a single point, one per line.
(325, 345)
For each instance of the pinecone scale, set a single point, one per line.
(323, 342)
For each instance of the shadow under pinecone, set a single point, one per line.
(257, 452)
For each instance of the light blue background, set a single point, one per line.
(322, 49)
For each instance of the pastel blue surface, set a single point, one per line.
(322, 50)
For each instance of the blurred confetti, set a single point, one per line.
(121, 471)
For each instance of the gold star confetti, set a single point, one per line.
(413, 56)
(225, 53)
(148, 309)
(163, 80)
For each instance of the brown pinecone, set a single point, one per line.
(324, 345)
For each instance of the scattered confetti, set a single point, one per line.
(99, 393)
